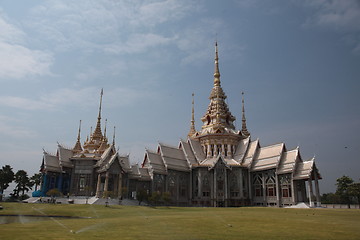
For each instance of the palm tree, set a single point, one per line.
(6, 177)
(36, 180)
(23, 183)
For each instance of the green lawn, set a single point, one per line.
(128, 222)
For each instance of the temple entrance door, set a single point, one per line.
(299, 193)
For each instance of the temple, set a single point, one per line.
(93, 169)
(216, 166)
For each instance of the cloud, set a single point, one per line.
(338, 15)
(109, 26)
(154, 13)
(23, 103)
(8, 129)
(85, 97)
(137, 43)
(16, 60)
(193, 39)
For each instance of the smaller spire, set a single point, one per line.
(192, 126)
(114, 137)
(78, 138)
(101, 95)
(244, 130)
(216, 71)
(77, 147)
(105, 129)
(97, 133)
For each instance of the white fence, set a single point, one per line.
(344, 206)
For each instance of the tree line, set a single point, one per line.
(23, 182)
(347, 192)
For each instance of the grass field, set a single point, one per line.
(129, 222)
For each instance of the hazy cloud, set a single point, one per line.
(10, 128)
(16, 59)
(116, 27)
(85, 97)
(339, 15)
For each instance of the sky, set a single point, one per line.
(298, 63)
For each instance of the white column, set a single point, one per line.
(241, 184)
(214, 187)
(277, 190)
(190, 187)
(209, 150)
(98, 185)
(317, 190)
(264, 189)
(106, 182)
(310, 192)
(226, 188)
(119, 185)
(292, 191)
(200, 183)
(250, 187)
(229, 151)
(223, 149)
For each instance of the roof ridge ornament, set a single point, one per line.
(114, 137)
(244, 130)
(97, 135)
(192, 122)
(77, 147)
(216, 71)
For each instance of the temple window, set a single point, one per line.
(257, 183)
(52, 182)
(285, 182)
(208, 120)
(82, 183)
(270, 186)
(218, 149)
(206, 194)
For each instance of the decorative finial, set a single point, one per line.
(97, 136)
(114, 137)
(101, 94)
(192, 126)
(216, 72)
(244, 130)
(78, 138)
(77, 147)
(105, 128)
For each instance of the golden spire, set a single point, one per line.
(192, 126)
(217, 117)
(77, 147)
(97, 135)
(216, 71)
(244, 130)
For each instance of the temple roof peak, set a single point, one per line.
(192, 122)
(97, 135)
(217, 116)
(216, 71)
(77, 147)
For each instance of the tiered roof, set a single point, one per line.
(218, 122)
(96, 147)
